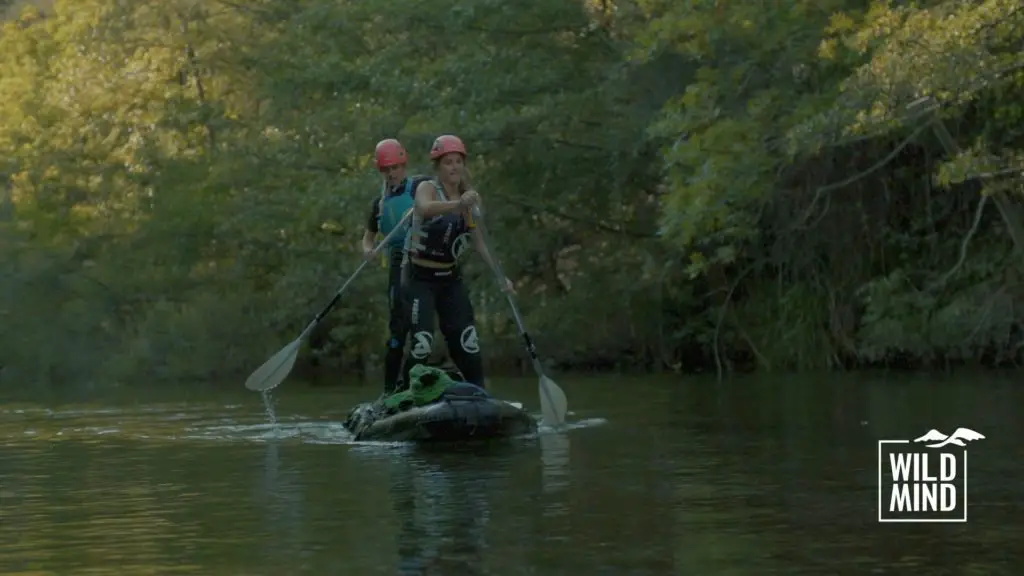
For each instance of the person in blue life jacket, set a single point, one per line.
(441, 230)
(386, 212)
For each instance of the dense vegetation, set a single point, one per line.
(683, 185)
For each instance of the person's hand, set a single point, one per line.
(469, 199)
(368, 254)
(509, 286)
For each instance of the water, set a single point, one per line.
(656, 476)
(268, 405)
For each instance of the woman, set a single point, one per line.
(442, 226)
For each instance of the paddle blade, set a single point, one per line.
(553, 403)
(275, 370)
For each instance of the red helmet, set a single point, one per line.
(445, 145)
(389, 153)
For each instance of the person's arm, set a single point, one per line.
(370, 233)
(427, 204)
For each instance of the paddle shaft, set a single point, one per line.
(502, 281)
(547, 387)
(333, 302)
(366, 260)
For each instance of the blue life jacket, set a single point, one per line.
(392, 208)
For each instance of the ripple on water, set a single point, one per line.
(210, 423)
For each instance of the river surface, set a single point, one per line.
(677, 475)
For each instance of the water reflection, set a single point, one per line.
(554, 449)
(280, 496)
(442, 500)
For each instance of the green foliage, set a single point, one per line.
(667, 183)
(794, 149)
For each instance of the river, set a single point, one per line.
(676, 475)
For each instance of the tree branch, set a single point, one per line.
(859, 176)
(599, 225)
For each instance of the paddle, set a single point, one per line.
(553, 403)
(276, 369)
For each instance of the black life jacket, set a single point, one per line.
(442, 239)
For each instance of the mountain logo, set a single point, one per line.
(925, 479)
(959, 437)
